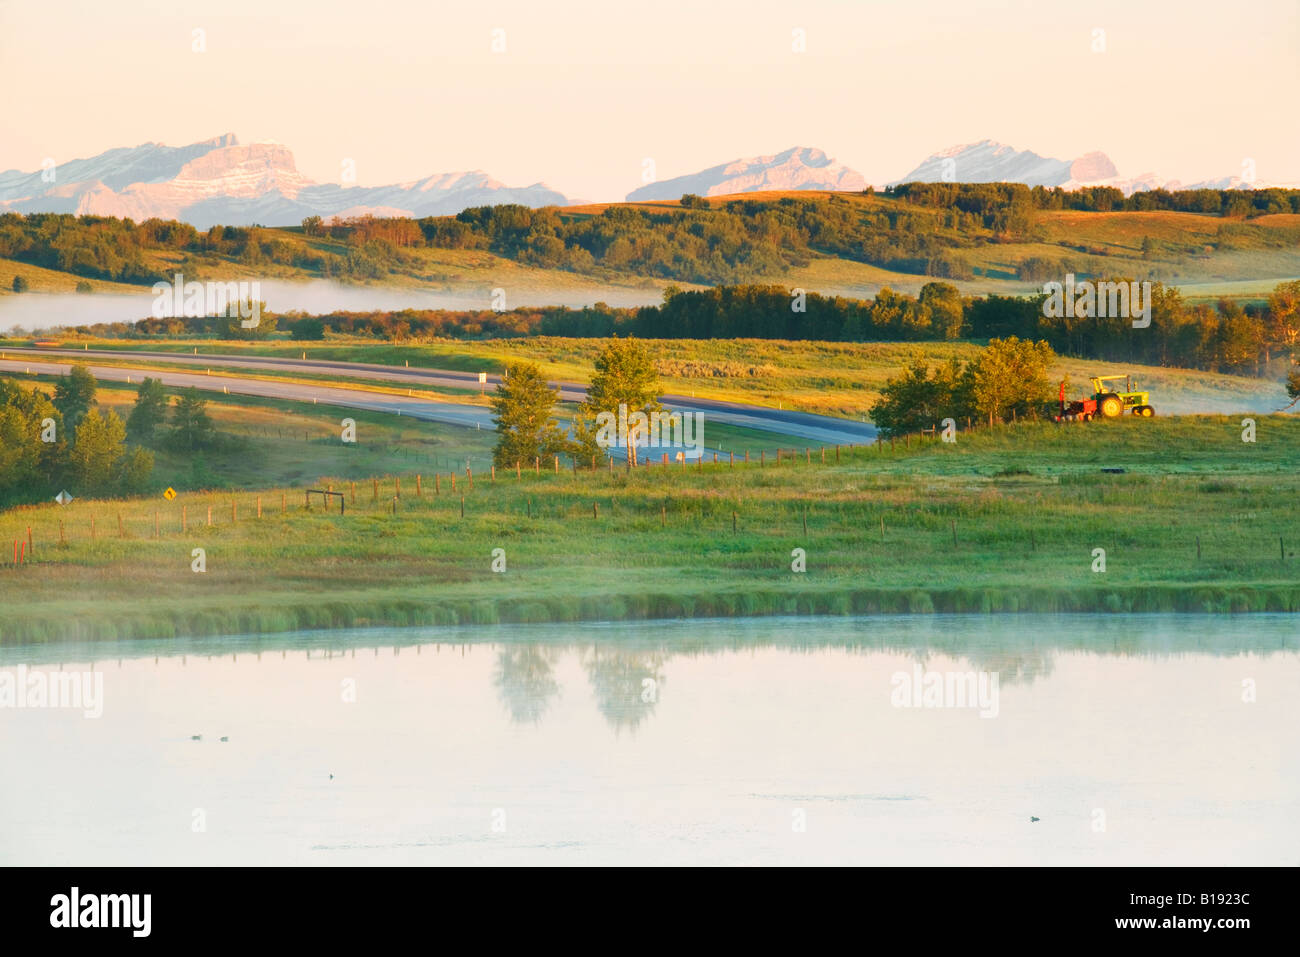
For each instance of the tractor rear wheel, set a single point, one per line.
(1110, 406)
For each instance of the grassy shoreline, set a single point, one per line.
(1003, 521)
(414, 612)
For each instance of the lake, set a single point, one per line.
(1134, 740)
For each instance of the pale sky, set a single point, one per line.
(585, 90)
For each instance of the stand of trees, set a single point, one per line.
(65, 442)
(525, 405)
(1007, 380)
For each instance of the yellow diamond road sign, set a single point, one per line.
(169, 494)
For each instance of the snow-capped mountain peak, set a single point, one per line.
(220, 181)
(796, 168)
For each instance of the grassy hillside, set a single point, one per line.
(1182, 248)
(42, 280)
(1008, 520)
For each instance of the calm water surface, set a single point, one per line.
(770, 741)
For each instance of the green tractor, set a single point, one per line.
(1108, 400)
(1111, 402)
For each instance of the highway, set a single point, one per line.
(819, 429)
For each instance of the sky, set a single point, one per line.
(580, 93)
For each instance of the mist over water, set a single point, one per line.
(25, 313)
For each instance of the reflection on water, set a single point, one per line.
(670, 742)
(525, 680)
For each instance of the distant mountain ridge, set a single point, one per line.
(796, 168)
(221, 181)
(991, 162)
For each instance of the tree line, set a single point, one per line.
(989, 199)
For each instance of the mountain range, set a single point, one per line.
(991, 162)
(796, 168)
(221, 181)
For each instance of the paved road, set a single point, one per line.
(819, 429)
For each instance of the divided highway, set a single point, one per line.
(821, 429)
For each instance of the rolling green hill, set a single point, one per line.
(837, 243)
